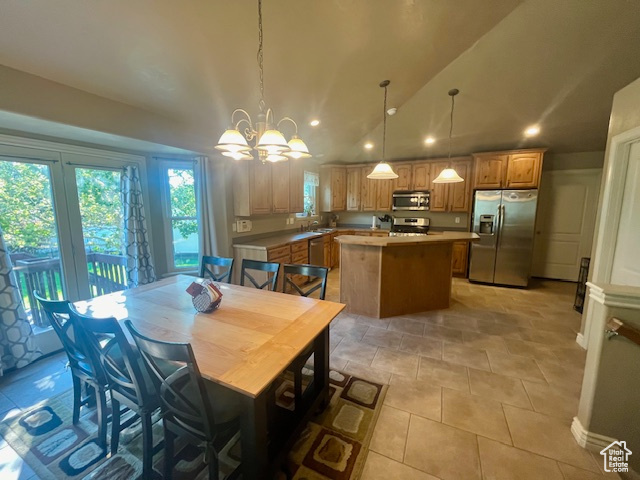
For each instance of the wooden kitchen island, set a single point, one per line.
(388, 276)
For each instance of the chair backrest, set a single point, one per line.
(319, 273)
(175, 374)
(269, 267)
(207, 268)
(59, 314)
(107, 344)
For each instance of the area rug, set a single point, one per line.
(333, 444)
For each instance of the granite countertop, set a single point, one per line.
(444, 237)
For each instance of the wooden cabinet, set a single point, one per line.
(279, 255)
(326, 244)
(300, 256)
(368, 191)
(439, 200)
(460, 193)
(523, 170)
(512, 169)
(333, 187)
(260, 191)
(296, 186)
(383, 195)
(421, 176)
(280, 187)
(353, 175)
(405, 176)
(459, 259)
(335, 250)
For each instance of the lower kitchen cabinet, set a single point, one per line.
(459, 259)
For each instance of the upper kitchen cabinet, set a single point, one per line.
(368, 190)
(353, 188)
(383, 195)
(421, 176)
(439, 199)
(451, 197)
(252, 194)
(296, 186)
(280, 186)
(333, 188)
(511, 169)
(405, 176)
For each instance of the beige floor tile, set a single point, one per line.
(573, 355)
(552, 400)
(457, 321)
(546, 338)
(437, 332)
(491, 327)
(378, 467)
(546, 436)
(398, 363)
(390, 434)
(355, 351)
(337, 363)
(502, 462)
(523, 348)
(373, 322)
(484, 341)
(415, 397)
(334, 340)
(406, 325)
(573, 473)
(512, 366)
(497, 387)
(441, 450)
(519, 319)
(600, 462)
(426, 347)
(474, 414)
(367, 372)
(439, 372)
(561, 374)
(350, 328)
(464, 355)
(382, 338)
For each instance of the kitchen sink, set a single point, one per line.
(324, 230)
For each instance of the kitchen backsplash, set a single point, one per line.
(437, 219)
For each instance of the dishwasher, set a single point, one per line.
(316, 251)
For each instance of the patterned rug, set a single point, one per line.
(332, 446)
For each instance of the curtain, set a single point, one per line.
(17, 345)
(140, 270)
(211, 192)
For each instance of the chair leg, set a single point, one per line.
(147, 445)
(169, 438)
(77, 398)
(115, 426)
(214, 467)
(102, 417)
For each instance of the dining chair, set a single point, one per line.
(269, 267)
(84, 370)
(192, 409)
(208, 268)
(318, 278)
(129, 383)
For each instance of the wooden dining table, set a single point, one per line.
(244, 345)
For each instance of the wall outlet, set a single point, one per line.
(243, 226)
(457, 219)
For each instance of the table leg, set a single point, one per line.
(321, 365)
(253, 424)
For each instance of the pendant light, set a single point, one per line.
(383, 170)
(449, 175)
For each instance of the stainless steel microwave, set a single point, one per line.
(411, 200)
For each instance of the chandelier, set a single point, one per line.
(268, 141)
(449, 175)
(383, 170)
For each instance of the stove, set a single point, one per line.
(409, 227)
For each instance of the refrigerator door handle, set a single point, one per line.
(500, 223)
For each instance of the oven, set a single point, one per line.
(411, 200)
(409, 227)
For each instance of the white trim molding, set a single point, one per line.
(620, 296)
(589, 440)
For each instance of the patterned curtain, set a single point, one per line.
(140, 269)
(17, 346)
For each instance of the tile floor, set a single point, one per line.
(484, 390)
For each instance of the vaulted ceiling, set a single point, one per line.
(516, 62)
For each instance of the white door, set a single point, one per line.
(567, 206)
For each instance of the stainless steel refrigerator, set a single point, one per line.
(504, 220)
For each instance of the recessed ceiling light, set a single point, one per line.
(368, 146)
(429, 140)
(532, 131)
(314, 123)
(392, 111)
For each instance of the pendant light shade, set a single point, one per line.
(449, 175)
(298, 148)
(238, 155)
(272, 141)
(232, 141)
(383, 170)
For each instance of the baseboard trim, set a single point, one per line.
(589, 440)
(581, 340)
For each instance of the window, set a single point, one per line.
(181, 225)
(311, 183)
